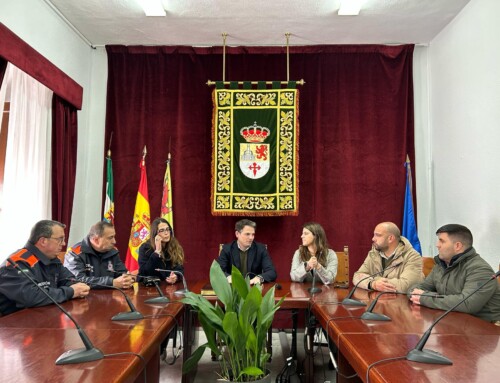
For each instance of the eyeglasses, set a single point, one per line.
(163, 230)
(59, 240)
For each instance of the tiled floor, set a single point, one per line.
(281, 347)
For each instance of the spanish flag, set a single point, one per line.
(141, 222)
(167, 211)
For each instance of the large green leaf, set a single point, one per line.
(251, 342)
(249, 309)
(193, 360)
(240, 284)
(251, 371)
(230, 325)
(203, 305)
(234, 333)
(221, 286)
(210, 333)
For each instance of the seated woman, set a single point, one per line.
(314, 256)
(162, 251)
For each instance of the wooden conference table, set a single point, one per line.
(31, 340)
(471, 343)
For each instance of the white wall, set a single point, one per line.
(423, 152)
(464, 104)
(37, 24)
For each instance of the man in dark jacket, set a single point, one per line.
(38, 259)
(96, 260)
(458, 271)
(250, 257)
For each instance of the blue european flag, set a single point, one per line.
(409, 224)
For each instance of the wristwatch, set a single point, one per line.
(261, 279)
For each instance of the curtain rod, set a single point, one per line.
(211, 83)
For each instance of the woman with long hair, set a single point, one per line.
(314, 256)
(162, 251)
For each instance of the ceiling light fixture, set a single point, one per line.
(152, 7)
(349, 7)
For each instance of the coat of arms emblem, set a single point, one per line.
(254, 153)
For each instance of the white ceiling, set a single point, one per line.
(258, 22)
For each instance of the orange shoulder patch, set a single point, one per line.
(24, 256)
(76, 250)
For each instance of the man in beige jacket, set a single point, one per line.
(392, 256)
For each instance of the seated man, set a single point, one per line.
(250, 257)
(458, 271)
(394, 254)
(38, 258)
(96, 260)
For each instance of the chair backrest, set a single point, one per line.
(427, 265)
(342, 278)
(61, 256)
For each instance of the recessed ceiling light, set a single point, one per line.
(349, 7)
(152, 7)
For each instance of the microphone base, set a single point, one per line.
(129, 315)
(427, 356)
(157, 300)
(80, 355)
(314, 290)
(181, 292)
(352, 302)
(368, 315)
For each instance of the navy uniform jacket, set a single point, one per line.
(18, 292)
(258, 260)
(92, 267)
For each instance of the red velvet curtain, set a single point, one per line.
(67, 99)
(64, 144)
(3, 67)
(356, 127)
(19, 53)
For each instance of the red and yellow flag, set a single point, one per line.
(166, 200)
(141, 222)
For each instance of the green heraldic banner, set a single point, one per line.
(255, 152)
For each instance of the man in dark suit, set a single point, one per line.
(250, 257)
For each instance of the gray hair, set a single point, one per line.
(97, 229)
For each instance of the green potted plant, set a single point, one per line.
(236, 332)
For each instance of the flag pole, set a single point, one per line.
(109, 146)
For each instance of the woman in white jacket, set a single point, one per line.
(314, 256)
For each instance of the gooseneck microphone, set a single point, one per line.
(370, 315)
(185, 289)
(421, 355)
(348, 300)
(80, 355)
(161, 298)
(133, 314)
(313, 289)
